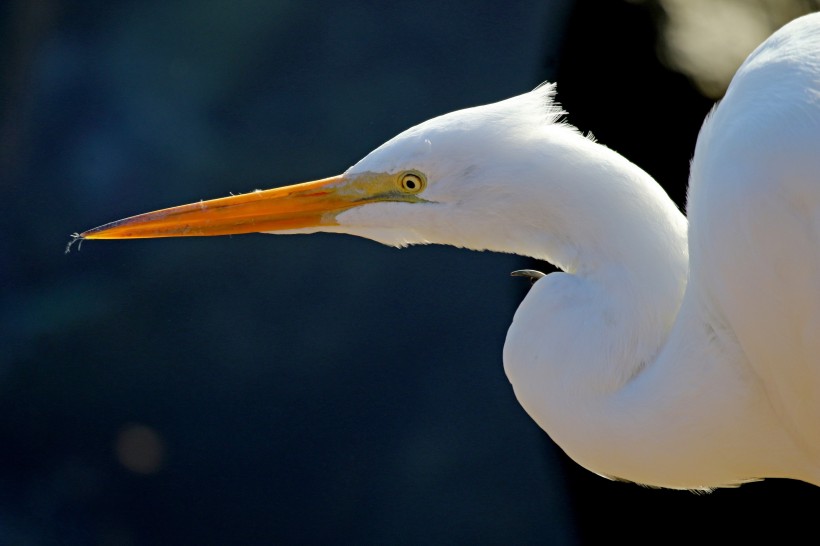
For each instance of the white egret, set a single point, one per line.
(667, 358)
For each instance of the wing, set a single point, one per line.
(754, 210)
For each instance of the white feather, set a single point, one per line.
(635, 373)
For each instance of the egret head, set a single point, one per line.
(443, 181)
(451, 174)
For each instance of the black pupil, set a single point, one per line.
(410, 183)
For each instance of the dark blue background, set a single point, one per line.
(295, 390)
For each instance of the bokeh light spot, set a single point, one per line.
(140, 449)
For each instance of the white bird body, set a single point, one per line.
(732, 392)
(667, 358)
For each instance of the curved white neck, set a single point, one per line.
(609, 358)
(624, 241)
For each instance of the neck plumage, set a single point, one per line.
(623, 241)
(580, 339)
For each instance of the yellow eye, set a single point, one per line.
(412, 182)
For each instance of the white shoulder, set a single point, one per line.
(754, 211)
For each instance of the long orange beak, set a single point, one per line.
(291, 207)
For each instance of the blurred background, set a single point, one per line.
(321, 389)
